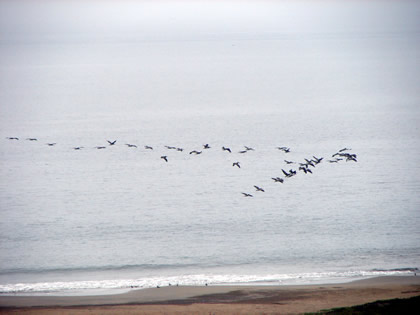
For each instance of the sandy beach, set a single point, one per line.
(293, 299)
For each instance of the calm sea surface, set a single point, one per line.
(308, 76)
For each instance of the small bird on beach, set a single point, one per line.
(111, 142)
(164, 157)
(259, 188)
(236, 164)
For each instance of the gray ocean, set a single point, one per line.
(311, 77)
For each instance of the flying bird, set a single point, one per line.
(289, 162)
(285, 149)
(32, 139)
(345, 149)
(99, 148)
(195, 152)
(277, 179)
(259, 188)
(13, 138)
(236, 164)
(164, 157)
(206, 146)
(111, 142)
(305, 169)
(247, 195)
(317, 160)
(248, 148)
(77, 148)
(226, 149)
(51, 144)
(131, 145)
(148, 147)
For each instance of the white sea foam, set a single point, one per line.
(83, 287)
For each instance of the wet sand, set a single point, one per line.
(281, 299)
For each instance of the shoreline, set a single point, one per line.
(291, 299)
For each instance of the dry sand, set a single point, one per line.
(220, 299)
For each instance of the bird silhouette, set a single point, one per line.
(289, 162)
(164, 157)
(32, 139)
(206, 146)
(248, 148)
(286, 174)
(13, 138)
(111, 142)
(259, 188)
(317, 160)
(77, 148)
(247, 195)
(284, 149)
(344, 149)
(236, 164)
(226, 149)
(305, 170)
(131, 145)
(51, 144)
(195, 152)
(147, 147)
(277, 179)
(99, 148)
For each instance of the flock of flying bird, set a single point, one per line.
(304, 167)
